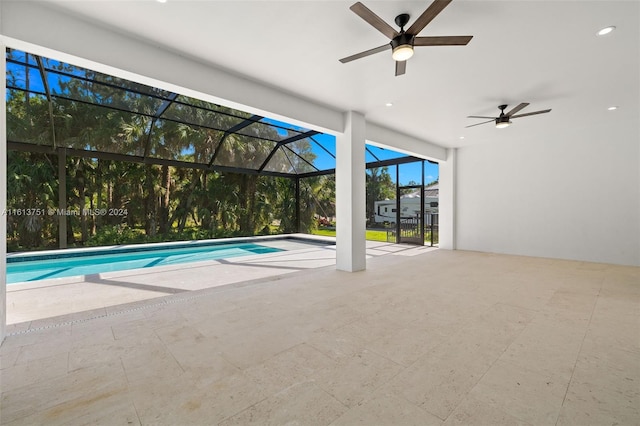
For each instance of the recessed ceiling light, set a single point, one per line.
(461, 137)
(606, 30)
(161, 1)
(389, 104)
(612, 108)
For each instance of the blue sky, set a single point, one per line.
(411, 172)
(323, 145)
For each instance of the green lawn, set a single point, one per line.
(370, 235)
(324, 232)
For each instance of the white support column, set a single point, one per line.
(350, 195)
(3, 193)
(448, 196)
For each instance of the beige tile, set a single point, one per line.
(573, 301)
(547, 347)
(587, 406)
(362, 303)
(233, 324)
(253, 346)
(32, 372)
(616, 361)
(205, 305)
(158, 403)
(290, 367)
(439, 321)
(151, 363)
(524, 394)
(37, 338)
(446, 335)
(473, 411)
(8, 357)
(385, 408)
(73, 391)
(622, 331)
(406, 345)
(622, 280)
(437, 384)
(325, 315)
(89, 331)
(605, 387)
(488, 334)
(256, 313)
(178, 332)
(612, 303)
(525, 292)
(413, 307)
(301, 404)
(201, 361)
(351, 380)
(93, 354)
(336, 343)
(371, 327)
(45, 349)
(577, 320)
(111, 407)
(137, 326)
(184, 403)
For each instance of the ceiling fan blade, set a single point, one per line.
(480, 116)
(442, 41)
(401, 67)
(516, 109)
(365, 53)
(427, 16)
(374, 20)
(477, 124)
(531, 113)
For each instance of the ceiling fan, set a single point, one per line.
(504, 119)
(403, 42)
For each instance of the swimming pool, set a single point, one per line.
(35, 267)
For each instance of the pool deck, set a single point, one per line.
(55, 301)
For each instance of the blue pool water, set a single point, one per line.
(42, 267)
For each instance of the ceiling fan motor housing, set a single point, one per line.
(401, 40)
(503, 119)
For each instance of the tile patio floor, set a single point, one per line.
(422, 337)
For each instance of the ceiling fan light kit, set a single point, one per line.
(402, 42)
(502, 122)
(402, 47)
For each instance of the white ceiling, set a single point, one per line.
(542, 52)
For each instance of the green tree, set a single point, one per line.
(379, 186)
(90, 111)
